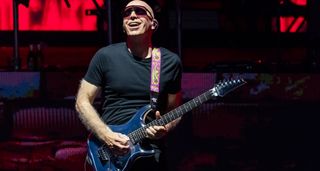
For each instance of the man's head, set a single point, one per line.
(138, 18)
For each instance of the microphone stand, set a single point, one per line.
(108, 4)
(16, 56)
(67, 3)
(179, 26)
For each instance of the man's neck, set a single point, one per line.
(139, 47)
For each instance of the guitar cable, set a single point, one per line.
(85, 163)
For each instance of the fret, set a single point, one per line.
(132, 135)
(135, 136)
(200, 99)
(140, 133)
(208, 95)
(170, 118)
(195, 103)
(165, 118)
(132, 138)
(181, 109)
(189, 106)
(162, 122)
(157, 122)
(153, 123)
(176, 113)
(144, 132)
(205, 97)
(184, 108)
(179, 113)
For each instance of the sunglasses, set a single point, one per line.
(138, 10)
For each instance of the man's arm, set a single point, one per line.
(87, 113)
(90, 118)
(174, 100)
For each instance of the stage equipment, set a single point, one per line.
(16, 58)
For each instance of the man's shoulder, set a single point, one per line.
(165, 50)
(169, 55)
(112, 47)
(110, 50)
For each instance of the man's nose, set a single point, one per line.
(133, 14)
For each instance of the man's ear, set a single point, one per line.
(123, 29)
(155, 25)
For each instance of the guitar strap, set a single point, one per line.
(155, 77)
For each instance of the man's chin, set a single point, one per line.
(134, 33)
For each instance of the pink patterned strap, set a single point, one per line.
(155, 78)
(155, 70)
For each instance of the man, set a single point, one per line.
(121, 72)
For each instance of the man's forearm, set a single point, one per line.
(170, 126)
(174, 100)
(91, 119)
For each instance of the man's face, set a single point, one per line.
(137, 18)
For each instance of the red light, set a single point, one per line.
(299, 2)
(49, 16)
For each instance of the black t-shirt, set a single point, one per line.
(125, 80)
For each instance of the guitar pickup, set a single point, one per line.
(103, 155)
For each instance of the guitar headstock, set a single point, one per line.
(224, 87)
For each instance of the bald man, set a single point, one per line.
(121, 74)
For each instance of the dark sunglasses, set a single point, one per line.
(138, 10)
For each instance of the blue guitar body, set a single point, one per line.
(102, 158)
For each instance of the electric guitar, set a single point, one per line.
(101, 156)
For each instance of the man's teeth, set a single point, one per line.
(134, 24)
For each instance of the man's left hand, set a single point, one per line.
(156, 132)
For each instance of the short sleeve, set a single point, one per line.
(94, 73)
(175, 82)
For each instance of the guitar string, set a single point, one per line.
(140, 133)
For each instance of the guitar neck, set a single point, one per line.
(220, 89)
(139, 134)
(183, 109)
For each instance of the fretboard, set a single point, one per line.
(139, 134)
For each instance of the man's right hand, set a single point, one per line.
(118, 143)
